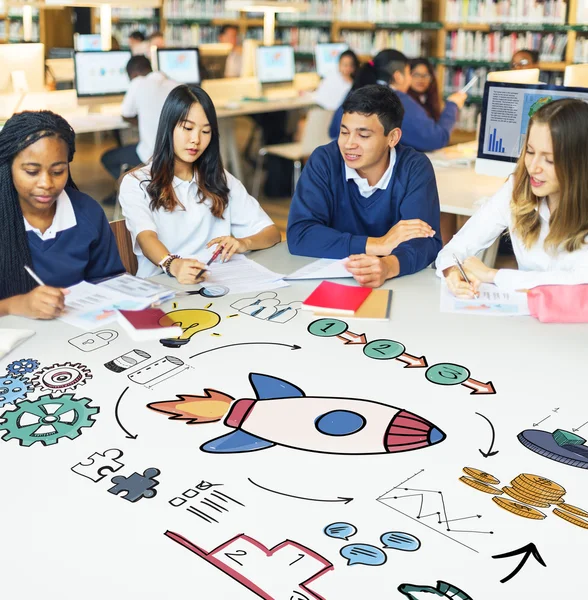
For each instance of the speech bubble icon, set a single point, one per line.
(398, 540)
(341, 531)
(363, 554)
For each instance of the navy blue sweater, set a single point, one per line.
(329, 218)
(85, 252)
(419, 130)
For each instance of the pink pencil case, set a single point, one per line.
(559, 303)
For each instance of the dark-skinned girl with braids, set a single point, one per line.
(46, 223)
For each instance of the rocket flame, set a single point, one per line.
(196, 409)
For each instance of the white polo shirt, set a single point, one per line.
(187, 229)
(536, 265)
(64, 218)
(365, 189)
(144, 99)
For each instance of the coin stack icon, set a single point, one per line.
(529, 493)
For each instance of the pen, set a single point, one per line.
(463, 273)
(212, 259)
(33, 275)
(469, 84)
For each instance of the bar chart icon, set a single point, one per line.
(495, 143)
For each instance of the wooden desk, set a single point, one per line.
(104, 543)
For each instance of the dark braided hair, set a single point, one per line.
(19, 132)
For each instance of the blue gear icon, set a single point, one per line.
(48, 419)
(13, 389)
(22, 366)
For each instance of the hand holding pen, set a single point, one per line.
(214, 256)
(230, 245)
(459, 283)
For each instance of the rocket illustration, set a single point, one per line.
(282, 415)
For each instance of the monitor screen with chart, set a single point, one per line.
(326, 57)
(179, 64)
(275, 64)
(506, 111)
(101, 73)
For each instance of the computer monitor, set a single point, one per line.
(326, 57)
(179, 64)
(515, 76)
(214, 59)
(90, 42)
(506, 110)
(275, 64)
(29, 58)
(101, 73)
(576, 76)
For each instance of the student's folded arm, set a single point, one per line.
(512, 279)
(421, 201)
(309, 233)
(480, 231)
(424, 133)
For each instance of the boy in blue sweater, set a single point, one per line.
(45, 221)
(368, 197)
(420, 131)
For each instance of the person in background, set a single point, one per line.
(156, 39)
(423, 87)
(143, 103)
(420, 131)
(525, 59)
(136, 43)
(184, 202)
(334, 88)
(544, 207)
(367, 197)
(47, 223)
(229, 34)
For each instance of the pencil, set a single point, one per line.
(33, 275)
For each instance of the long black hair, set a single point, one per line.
(212, 180)
(19, 132)
(381, 68)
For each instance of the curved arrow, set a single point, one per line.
(528, 550)
(129, 435)
(339, 498)
(291, 346)
(489, 453)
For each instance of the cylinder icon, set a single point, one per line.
(127, 361)
(158, 371)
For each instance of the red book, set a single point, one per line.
(337, 298)
(148, 323)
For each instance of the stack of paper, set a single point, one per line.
(491, 301)
(324, 268)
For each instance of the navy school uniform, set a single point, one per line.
(86, 251)
(329, 218)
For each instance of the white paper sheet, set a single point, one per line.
(324, 268)
(492, 302)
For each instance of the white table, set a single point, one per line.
(67, 524)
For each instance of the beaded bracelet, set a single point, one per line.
(167, 263)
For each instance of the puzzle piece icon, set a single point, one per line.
(97, 466)
(137, 486)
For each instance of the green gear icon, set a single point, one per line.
(48, 419)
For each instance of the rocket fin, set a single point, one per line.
(267, 387)
(236, 442)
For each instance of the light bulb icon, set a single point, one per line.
(191, 320)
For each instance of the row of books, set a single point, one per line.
(507, 11)
(190, 35)
(499, 46)
(197, 9)
(581, 50)
(381, 11)
(14, 31)
(17, 11)
(132, 13)
(121, 31)
(457, 77)
(467, 119)
(367, 42)
(318, 10)
(304, 39)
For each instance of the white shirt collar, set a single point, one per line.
(543, 209)
(65, 218)
(365, 189)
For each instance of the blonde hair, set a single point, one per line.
(568, 225)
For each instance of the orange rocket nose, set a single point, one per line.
(408, 431)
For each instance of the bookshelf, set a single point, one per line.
(11, 24)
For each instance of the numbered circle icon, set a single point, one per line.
(447, 374)
(327, 327)
(383, 349)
